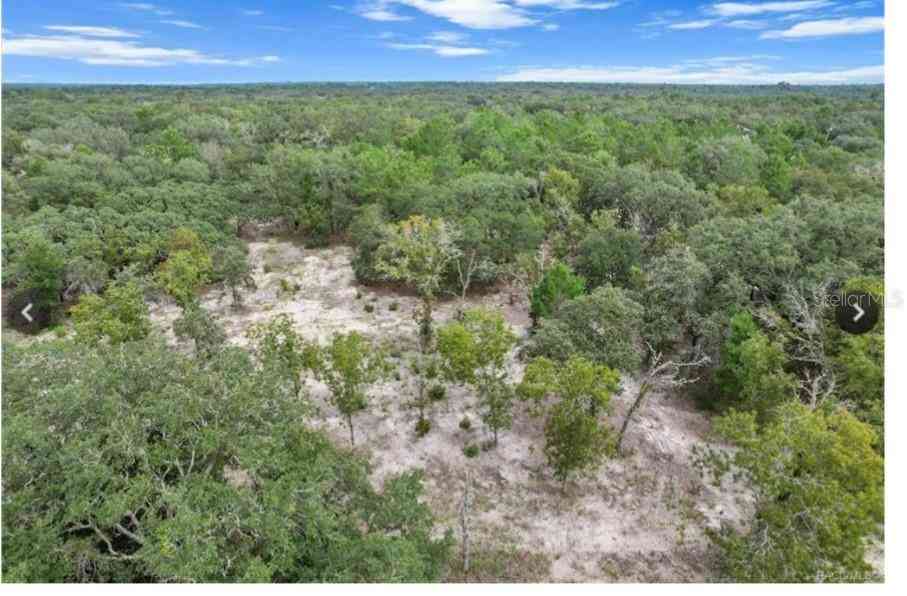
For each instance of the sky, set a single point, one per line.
(630, 41)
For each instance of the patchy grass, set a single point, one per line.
(500, 563)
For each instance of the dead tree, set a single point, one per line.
(464, 521)
(807, 311)
(660, 375)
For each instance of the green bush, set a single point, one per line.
(471, 450)
(465, 423)
(423, 426)
(437, 392)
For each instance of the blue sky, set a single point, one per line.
(646, 41)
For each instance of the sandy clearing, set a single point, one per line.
(639, 518)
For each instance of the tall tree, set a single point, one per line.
(418, 251)
(474, 351)
(349, 365)
(577, 436)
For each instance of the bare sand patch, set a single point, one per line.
(640, 518)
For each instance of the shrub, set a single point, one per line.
(471, 450)
(465, 423)
(557, 286)
(423, 426)
(369, 308)
(394, 306)
(437, 392)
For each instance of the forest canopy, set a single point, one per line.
(686, 236)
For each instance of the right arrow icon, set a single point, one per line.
(857, 312)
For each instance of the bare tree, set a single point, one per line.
(464, 521)
(807, 310)
(466, 269)
(661, 374)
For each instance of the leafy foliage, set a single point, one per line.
(189, 472)
(819, 495)
(558, 285)
(577, 438)
(120, 315)
(603, 326)
(474, 352)
(348, 365)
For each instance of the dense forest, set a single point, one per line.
(670, 240)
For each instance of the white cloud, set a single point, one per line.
(746, 24)
(723, 60)
(270, 59)
(474, 14)
(253, 13)
(91, 31)
(827, 28)
(863, 5)
(550, 27)
(273, 28)
(146, 7)
(110, 52)
(567, 4)
(738, 73)
(693, 25)
(744, 9)
(447, 37)
(380, 14)
(183, 24)
(444, 51)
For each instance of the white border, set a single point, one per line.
(895, 393)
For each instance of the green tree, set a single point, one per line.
(727, 160)
(349, 365)
(232, 265)
(474, 351)
(558, 285)
(120, 315)
(194, 472)
(182, 275)
(604, 326)
(608, 254)
(418, 251)
(280, 349)
(574, 441)
(577, 437)
(676, 286)
(818, 484)
(39, 268)
(197, 324)
(171, 147)
(752, 369)
(187, 268)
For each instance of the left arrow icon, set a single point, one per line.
(25, 314)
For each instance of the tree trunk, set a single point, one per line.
(637, 403)
(349, 423)
(464, 523)
(425, 330)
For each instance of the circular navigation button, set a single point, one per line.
(857, 312)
